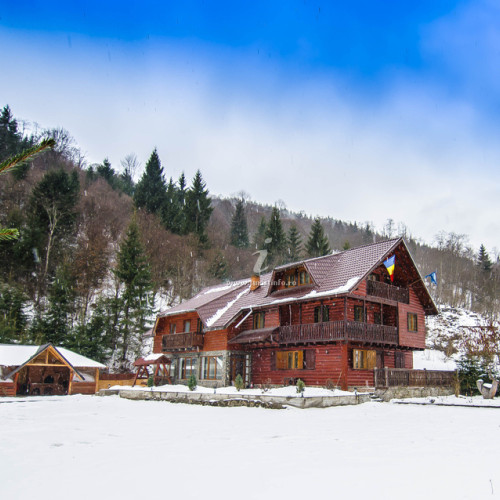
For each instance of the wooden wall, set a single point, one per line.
(7, 389)
(406, 338)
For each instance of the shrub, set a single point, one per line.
(470, 369)
(192, 384)
(300, 386)
(151, 382)
(238, 382)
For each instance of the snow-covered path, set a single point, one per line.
(81, 447)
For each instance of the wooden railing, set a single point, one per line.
(338, 330)
(390, 292)
(401, 377)
(182, 341)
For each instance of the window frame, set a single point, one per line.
(412, 322)
(322, 313)
(173, 328)
(206, 362)
(364, 359)
(186, 326)
(290, 360)
(258, 318)
(184, 362)
(358, 309)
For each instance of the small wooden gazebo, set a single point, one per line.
(160, 369)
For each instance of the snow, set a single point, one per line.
(341, 289)
(153, 356)
(452, 401)
(219, 313)
(433, 360)
(227, 286)
(84, 447)
(279, 391)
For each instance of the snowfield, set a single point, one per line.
(85, 447)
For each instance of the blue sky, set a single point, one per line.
(359, 110)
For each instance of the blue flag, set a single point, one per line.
(433, 277)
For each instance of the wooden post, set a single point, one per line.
(344, 367)
(70, 386)
(386, 369)
(16, 376)
(345, 317)
(96, 380)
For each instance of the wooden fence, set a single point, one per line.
(401, 377)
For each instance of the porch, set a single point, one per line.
(356, 331)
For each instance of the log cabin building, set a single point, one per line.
(328, 320)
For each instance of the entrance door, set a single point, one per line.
(238, 366)
(285, 316)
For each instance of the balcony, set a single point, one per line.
(178, 341)
(338, 330)
(389, 292)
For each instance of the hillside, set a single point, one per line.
(61, 280)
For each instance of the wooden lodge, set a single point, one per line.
(30, 370)
(333, 320)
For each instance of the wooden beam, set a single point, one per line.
(344, 366)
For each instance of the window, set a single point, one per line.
(377, 318)
(211, 368)
(172, 327)
(290, 280)
(199, 326)
(304, 278)
(359, 313)
(187, 326)
(374, 277)
(187, 367)
(412, 322)
(290, 360)
(321, 314)
(399, 360)
(363, 359)
(259, 320)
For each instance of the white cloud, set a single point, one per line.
(410, 154)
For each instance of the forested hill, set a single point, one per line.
(99, 254)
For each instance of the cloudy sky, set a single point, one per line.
(359, 110)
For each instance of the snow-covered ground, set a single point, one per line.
(279, 391)
(433, 360)
(452, 401)
(84, 447)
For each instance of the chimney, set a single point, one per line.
(254, 282)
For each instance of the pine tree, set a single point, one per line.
(57, 322)
(133, 271)
(198, 208)
(171, 209)
(260, 235)
(150, 192)
(317, 244)
(239, 229)
(179, 224)
(277, 246)
(13, 320)
(483, 259)
(294, 241)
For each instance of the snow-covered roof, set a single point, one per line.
(16, 355)
(331, 275)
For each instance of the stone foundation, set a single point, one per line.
(412, 392)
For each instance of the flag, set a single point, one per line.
(433, 277)
(389, 264)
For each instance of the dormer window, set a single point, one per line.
(304, 278)
(291, 278)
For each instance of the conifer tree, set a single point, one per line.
(239, 228)
(56, 323)
(218, 266)
(180, 225)
(317, 244)
(294, 241)
(170, 214)
(150, 192)
(198, 208)
(483, 259)
(13, 320)
(277, 246)
(260, 235)
(133, 271)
